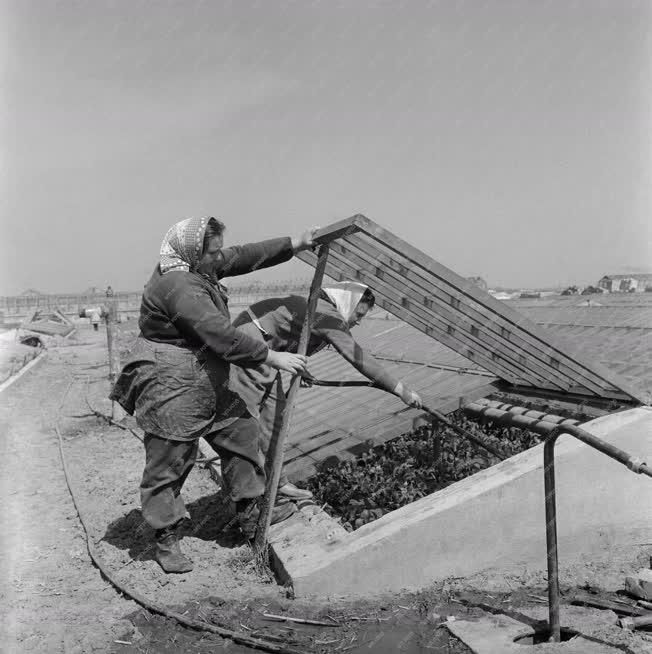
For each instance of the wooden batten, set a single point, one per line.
(445, 306)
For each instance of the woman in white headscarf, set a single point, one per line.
(278, 322)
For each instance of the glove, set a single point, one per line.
(408, 396)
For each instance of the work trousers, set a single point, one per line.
(168, 463)
(261, 389)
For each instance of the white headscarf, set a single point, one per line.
(346, 296)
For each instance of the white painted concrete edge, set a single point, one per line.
(313, 563)
(8, 382)
(474, 486)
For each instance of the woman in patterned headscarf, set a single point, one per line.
(278, 322)
(175, 381)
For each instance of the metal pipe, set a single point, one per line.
(543, 426)
(509, 419)
(552, 432)
(551, 535)
(530, 413)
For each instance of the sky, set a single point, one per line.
(506, 139)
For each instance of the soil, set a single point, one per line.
(55, 600)
(400, 471)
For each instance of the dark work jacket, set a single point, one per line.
(282, 320)
(175, 380)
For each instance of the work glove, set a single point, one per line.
(408, 396)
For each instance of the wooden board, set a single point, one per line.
(448, 308)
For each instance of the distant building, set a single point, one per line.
(630, 283)
(530, 295)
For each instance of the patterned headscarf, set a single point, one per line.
(182, 246)
(346, 296)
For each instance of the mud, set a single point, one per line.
(359, 627)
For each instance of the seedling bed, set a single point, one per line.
(407, 468)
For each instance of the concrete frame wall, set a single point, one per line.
(492, 520)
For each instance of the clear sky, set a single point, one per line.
(506, 138)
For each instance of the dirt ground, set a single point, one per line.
(52, 598)
(55, 600)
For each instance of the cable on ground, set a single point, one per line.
(235, 636)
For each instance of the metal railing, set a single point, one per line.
(552, 430)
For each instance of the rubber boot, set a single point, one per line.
(247, 512)
(169, 554)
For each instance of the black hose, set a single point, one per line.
(437, 414)
(235, 636)
(322, 382)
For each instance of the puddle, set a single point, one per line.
(154, 633)
(407, 639)
(163, 636)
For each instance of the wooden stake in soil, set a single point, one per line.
(277, 443)
(111, 319)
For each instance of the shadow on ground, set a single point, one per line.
(211, 518)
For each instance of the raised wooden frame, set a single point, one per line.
(445, 306)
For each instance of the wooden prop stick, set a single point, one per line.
(277, 443)
(117, 412)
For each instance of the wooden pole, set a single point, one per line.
(111, 319)
(277, 443)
